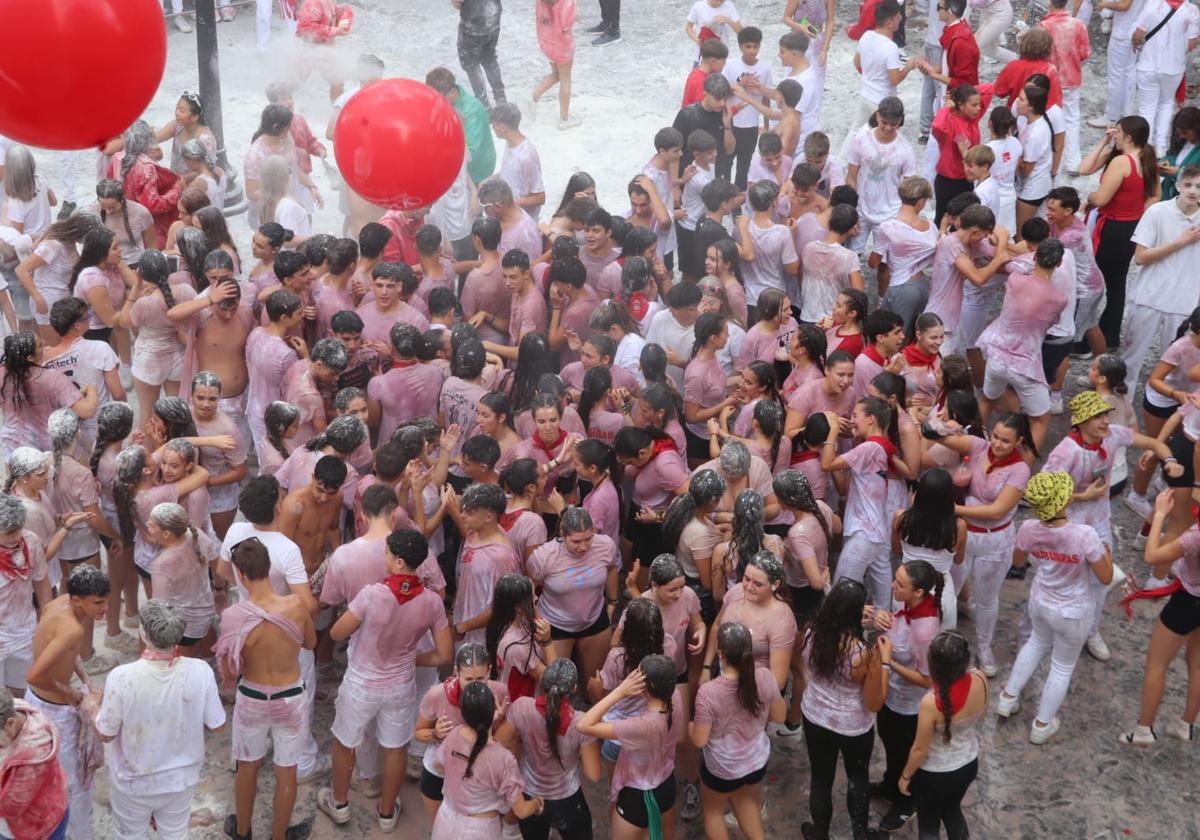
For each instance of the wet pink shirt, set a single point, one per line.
(865, 369)
(73, 488)
(329, 301)
(772, 627)
(1014, 340)
(96, 278)
(608, 282)
(18, 619)
(458, 403)
(656, 482)
(383, 649)
(377, 325)
(704, 385)
(571, 423)
(517, 655)
(827, 269)
(697, 542)
(495, 782)
(485, 291)
(524, 235)
(573, 374)
(479, 567)
(866, 498)
(405, 392)
(545, 775)
(446, 280)
(985, 487)
(296, 473)
(677, 617)
(596, 266)
(180, 576)
(577, 316)
(1064, 556)
(648, 742)
(526, 532)
(946, 285)
(738, 744)
(806, 540)
(573, 586)
(220, 461)
(436, 703)
(1084, 467)
(352, 567)
(527, 314)
(300, 389)
(811, 397)
(603, 505)
(798, 377)
(1188, 567)
(268, 358)
(761, 344)
(604, 425)
(555, 39)
(25, 425)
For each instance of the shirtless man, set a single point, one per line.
(260, 643)
(56, 645)
(310, 518)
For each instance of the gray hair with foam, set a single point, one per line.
(471, 655)
(63, 425)
(207, 379)
(574, 520)
(12, 513)
(162, 624)
(735, 459)
(25, 460)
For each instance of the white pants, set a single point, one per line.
(1063, 639)
(1144, 324)
(1070, 106)
(862, 557)
(132, 812)
(1121, 79)
(66, 720)
(308, 673)
(1156, 103)
(988, 558)
(262, 11)
(993, 23)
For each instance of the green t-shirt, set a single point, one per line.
(481, 150)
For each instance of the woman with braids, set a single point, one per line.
(660, 475)
(643, 781)
(103, 279)
(226, 467)
(180, 574)
(1069, 555)
(282, 422)
(806, 355)
(732, 711)
(521, 523)
(689, 529)
(659, 405)
(917, 594)
(944, 758)
(759, 601)
(928, 530)
(594, 398)
(130, 222)
(704, 385)
(192, 247)
(846, 685)
(639, 286)
(746, 539)
(144, 181)
(441, 711)
(30, 393)
(45, 275)
(553, 753)
(73, 489)
(518, 639)
(158, 348)
(114, 423)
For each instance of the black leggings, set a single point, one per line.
(823, 747)
(945, 189)
(745, 145)
(897, 732)
(570, 817)
(938, 797)
(1112, 258)
(610, 13)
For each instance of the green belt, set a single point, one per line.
(258, 695)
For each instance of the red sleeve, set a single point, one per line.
(939, 128)
(1003, 85)
(142, 185)
(311, 22)
(960, 62)
(693, 89)
(866, 20)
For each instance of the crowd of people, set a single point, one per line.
(540, 493)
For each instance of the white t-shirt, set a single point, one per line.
(881, 166)
(34, 214)
(452, 212)
(774, 248)
(989, 195)
(877, 54)
(1124, 23)
(813, 86)
(1167, 50)
(666, 332)
(521, 169)
(629, 355)
(735, 68)
(692, 202)
(907, 251)
(292, 216)
(85, 363)
(158, 715)
(702, 14)
(287, 564)
(1170, 284)
(1037, 146)
(1008, 152)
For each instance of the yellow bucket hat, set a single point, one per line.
(1086, 405)
(1048, 493)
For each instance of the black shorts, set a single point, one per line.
(631, 802)
(598, 626)
(189, 641)
(805, 603)
(95, 556)
(1032, 203)
(1157, 410)
(1053, 353)
(431, 785)
(646, 537)
(1184, 451)
(779, 529)
(1181, 614)
(101, 334)
(697, 447)
(687, 252)
(715, 783)
(708, 604)
(142, 573)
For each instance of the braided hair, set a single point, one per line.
(949, 658)
(278, 418)
(925, 577)
(114, 422)
(794, 493)
(478, 707)
(558, 683)
(19, 364)
(155, 269)
(63, 426)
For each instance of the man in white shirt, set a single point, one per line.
(155, 713)
(86, 362)
(1173, 29)
(1121, 59)
(740, 69)
(1168, 287)
(877, 59)
(521, 167)
(674, 328)
(877, 160)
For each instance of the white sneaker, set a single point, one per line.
(1182, 730)
(731, 818)
(785, 730)
(1139, 504)
(1006, 704)
(181, 23)
(510, 831)
(340, 814)
(1105, 26)
(987, 663)
(1056, 404)
(1041, 734)
(1139, 736)
(569, 123)
(388, 824)
(1154, 583)
(1097, 648)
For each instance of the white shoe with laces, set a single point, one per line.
(1006, 704)
(340, 814)
(1139, 504)
(987, 663)
(1041, 733)
(1139, 736)
(1097, 647)
(1182, 730)
(388, 824)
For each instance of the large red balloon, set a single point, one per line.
(76, 73)
(399, 144)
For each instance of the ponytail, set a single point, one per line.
(478, 707)
(558, 684)
(737, 646)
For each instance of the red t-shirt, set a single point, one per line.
(1012, 80)
(693, 88)
(866, 20)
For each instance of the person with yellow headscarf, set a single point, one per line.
(1069, 555)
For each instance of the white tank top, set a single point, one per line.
(940, 559)
(963, 747)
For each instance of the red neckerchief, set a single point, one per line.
(1090, 447)
(638, 305)
(403, 363)
(404, 587)
(509, 518)
(155, 656)
(960, 690)
(564, 712)
(888, 446)
(549, 448)
(15, 568)
(804, 455)
(1008, 460)
(519, 683)
(873, 354)
(926, 609)
(660, 445)
(453, 689)
(916, 358)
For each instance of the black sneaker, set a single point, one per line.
(879, 790)
(602, 26)
(896, 818)
(1014, 573)
(231, 829)
(611, 36)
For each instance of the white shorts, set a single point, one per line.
(51, 296)
(393, 709)
(278, 724)
(15, 665)
(155, 367)
(223, 497)
(1087, 314)
(132, 812)
(1034, 396)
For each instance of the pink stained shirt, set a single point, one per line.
(677, 617)
(377, 324)
(479, 567)
(946, 285)
(544, 774)
(457, 404)
(485, 291)
(613, 672)
(517, 656)
(220, 461)
(604, 425)
(697, 542)
(523, 422)
(907, 251)
(296, 473)
(383, 649)
(352, 567)
(1182, 355)
(1014, 340)
(656, 482)
(436, 704)
(922, 380)
(608, 282)
(1070, 48)
(180, 576)
(738, 744)
(648, 742)
(1188, 567)
(18, 619)
(446, 279)
(596, 265)
(405, 392)
(1077, 239)
(798, 377)
(1085, 466)
(524, 235)
(73, 488)
(910, 648)
(577, 316)
(268, 358)
(495, 781)
(603, 505)
(554, 23)
(329, 301)
(866, 499)
(25, 424)
(526, 531)
(300, 389)
(527, 315)
(108, 281)
(812, 397)
(53, 278)
(827, 270)
(573, 586)
(761, 344)
(806, 540)
(985, 487)
(704, 385)
(1063, 555)
(772, 627)
(573, 374)
(865, 369)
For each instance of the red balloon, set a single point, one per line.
(76, 73)
(399, 144)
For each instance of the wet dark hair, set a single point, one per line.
(597, 454)
(278, 417)
(94, 250)
(814, 342)
(838, 620)
(737, 646)
(512, 604)
(176, 416)
(275, 234)
(659, 669)
(642, 635)
(519, 475)
(706, 486)
(19, 363)
(478, 707)
(929, 522)
(257, 499)
(708, 326)
(1112, 368)
(963, 409)
(559, 681)
(499, 404)
(275, 120)
(1019, 423)
(114, 422)
(597, 382)
(577, 183)
(925, 577)
(534, 359)
(949, 658)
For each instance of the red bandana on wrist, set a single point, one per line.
(871, 353)
(926, 609)
(14, 562)
(1090, 447)
(660, 445)
(888, 446)
(916, 358)
(565, 711)
(995, 463)
(404, 587)
(551, 449)
(960, 690)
